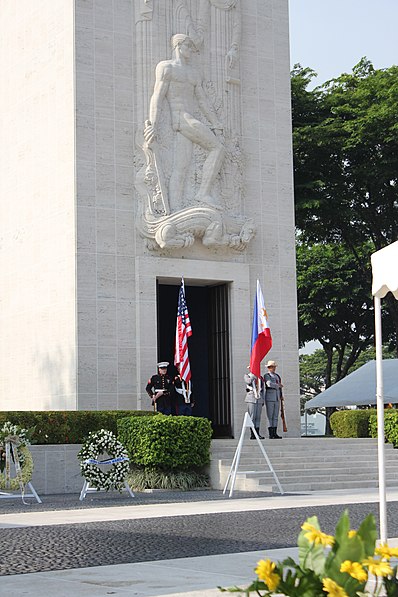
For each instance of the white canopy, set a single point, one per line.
(359, 387)
(385, 279)
(385, 271)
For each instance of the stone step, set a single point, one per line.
(282, 463)
(304, 443)
(324, 486)
(326, 463)
(333, 477)
(332, 473)
(253, 447)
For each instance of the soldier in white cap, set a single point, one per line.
(160, 389)
(273, 397)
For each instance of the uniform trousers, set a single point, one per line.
(254, 409)
(272, 412)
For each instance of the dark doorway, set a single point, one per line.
(209, 356)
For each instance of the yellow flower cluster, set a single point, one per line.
(386, 552)
(377, 567)
(266, 571)
(355, 570)
(316, 536)
(332, 589)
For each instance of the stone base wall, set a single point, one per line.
(56, 469)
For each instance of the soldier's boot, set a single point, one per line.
(258, 433)
(271, 432)
(276, 436)
(252, 436)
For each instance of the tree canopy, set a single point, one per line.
(345, 141)
(345, 137)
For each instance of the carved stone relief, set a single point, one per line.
(190, 185)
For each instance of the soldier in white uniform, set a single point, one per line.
(255, 400)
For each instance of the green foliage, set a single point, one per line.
(346, 188)
(351, 423)
(141, 478)
(345, 154)
(66, 427)
(319, 568)
(334, 303)
(164, 442)
(390, 425)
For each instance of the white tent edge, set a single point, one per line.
(384, 279)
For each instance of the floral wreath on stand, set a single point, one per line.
(97, 443)
(14, 444)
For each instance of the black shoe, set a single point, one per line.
(258, 433)
(271, 432)
(276, 436)
(252, 436)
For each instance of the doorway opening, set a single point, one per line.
(209, 348)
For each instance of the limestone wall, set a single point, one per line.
(37, 214)
(105, 206)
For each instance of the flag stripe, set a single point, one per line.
(183, 332)
(261, 342)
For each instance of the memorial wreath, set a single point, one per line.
(13, 448)
(104, 442)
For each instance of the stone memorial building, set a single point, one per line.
(143, 141)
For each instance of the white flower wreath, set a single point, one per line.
(97, 443)
(18, 437)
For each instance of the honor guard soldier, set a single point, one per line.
(184, 402)
(160, 388)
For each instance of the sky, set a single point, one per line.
(331, 36)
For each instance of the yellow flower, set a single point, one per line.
(377, 567)
(355, 570)
(316, 536)
(386, 552)
(265, 571)
(332, 588)
(352, 534)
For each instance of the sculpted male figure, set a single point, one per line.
(179, 83)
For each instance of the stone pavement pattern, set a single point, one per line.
(123, 549)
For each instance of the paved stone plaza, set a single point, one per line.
(160, 543)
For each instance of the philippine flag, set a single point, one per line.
(261, 333)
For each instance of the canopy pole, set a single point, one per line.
(380, 420)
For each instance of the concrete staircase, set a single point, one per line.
(303, 464)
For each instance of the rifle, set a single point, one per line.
(283, 416)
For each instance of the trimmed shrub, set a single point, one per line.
(67, 427)
(168, 443)
(390, 425)
(351, 423)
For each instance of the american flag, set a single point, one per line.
(183, 331)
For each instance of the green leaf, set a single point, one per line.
(311, 557)
(368, 533)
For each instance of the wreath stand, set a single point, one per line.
(5, 494)
(234, 470)
(10, 450)
(87, 489)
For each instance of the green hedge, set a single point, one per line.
(351, 423)
(390, 426)
(162, 442)
(67, 427)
